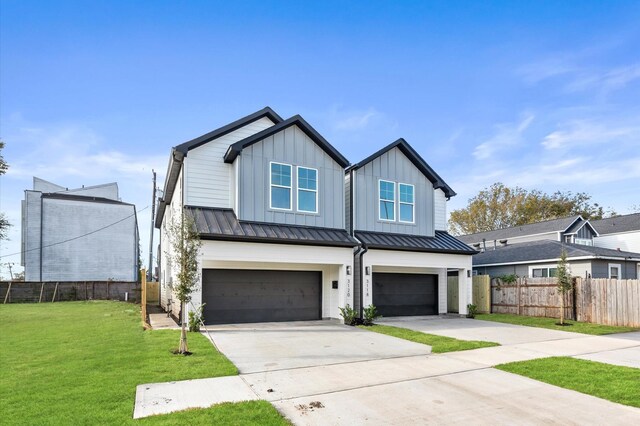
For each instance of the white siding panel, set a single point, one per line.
(208, 179)
(440, 207)
(628, 241)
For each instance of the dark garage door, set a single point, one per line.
(240, 296)
(405, 294)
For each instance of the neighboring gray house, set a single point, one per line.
(620, 232)
(534, 250)
(540, 259)
(82, 234)
(280, 226)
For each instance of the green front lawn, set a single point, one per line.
(615, 383)
(439, 344)
(80, 362)
(576, 327)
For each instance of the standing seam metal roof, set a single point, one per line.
(442, 242)
(222, 224)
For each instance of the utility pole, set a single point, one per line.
(153, 213)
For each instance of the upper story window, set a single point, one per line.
(307, 190)
(387, 192)
(280, 186)
(407, 202)
(543, 272)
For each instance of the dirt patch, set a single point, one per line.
(304, 408)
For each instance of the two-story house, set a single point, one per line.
(396, 209)
(533, 250)
(288, 236)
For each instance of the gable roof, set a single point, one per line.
(417, 161)
(554, 225)
(231, 127)
(180, 151)
(545, 250)
(578, 225)
(612, 225)
(235, 149)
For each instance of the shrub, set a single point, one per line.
(369, 315)
(349, 315)
(196, 318)
(472, 310)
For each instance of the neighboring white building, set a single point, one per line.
(82, 234)
(619, 233)
(281, 232)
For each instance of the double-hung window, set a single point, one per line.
(307, 190)
(407, 202)
(280, 186)
(614, 271)
(387, 192)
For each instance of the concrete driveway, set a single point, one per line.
(286, 345)
(326, 373)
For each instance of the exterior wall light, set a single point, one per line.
(468, 273)
(367, 270)
(348, 270)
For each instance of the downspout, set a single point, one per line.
(363, 250)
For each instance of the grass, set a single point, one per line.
(612, 382)
(80, 362)
(439, 344)
(541, 322)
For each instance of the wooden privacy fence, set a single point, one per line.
(611, 302)
(481, 296)
(601, 301)
(56, 291)
(153, 293)
(534, 297)
(481, 292)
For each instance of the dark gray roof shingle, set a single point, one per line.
(222, 224)
(442, 242)
(626, 223)
(543, 250)
(555, 225)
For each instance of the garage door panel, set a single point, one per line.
(241, 296)
(396, 294)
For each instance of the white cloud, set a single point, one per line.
(506, 136)
(538, 71)
(358, 120)
(604, 81)
(588, 132)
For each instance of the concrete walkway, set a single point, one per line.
(366, 384)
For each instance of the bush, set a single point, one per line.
(196, 318)
(369, 315)
(349, 315)
(472, 310)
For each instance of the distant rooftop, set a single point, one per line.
(554, 225)
(612, 225)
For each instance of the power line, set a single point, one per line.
(75, 238)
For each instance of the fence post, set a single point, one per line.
(6, 296)
(143, 311)
(518, 295)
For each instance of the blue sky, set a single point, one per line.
(539, 94)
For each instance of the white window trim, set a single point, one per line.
(271, 185)
(391, 201)
(547, 267)
(615, 265)
(307, 190)
(413, 205)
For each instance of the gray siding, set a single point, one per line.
(393, 166)
(290, 146)
(585, 232)
(600, 269)
(110, 253)
(498, 271)
(347, 201)
(32, 236)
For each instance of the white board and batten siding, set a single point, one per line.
(208, 179)
(440, 210)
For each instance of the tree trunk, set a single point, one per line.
(183, 333)
(561, 308)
